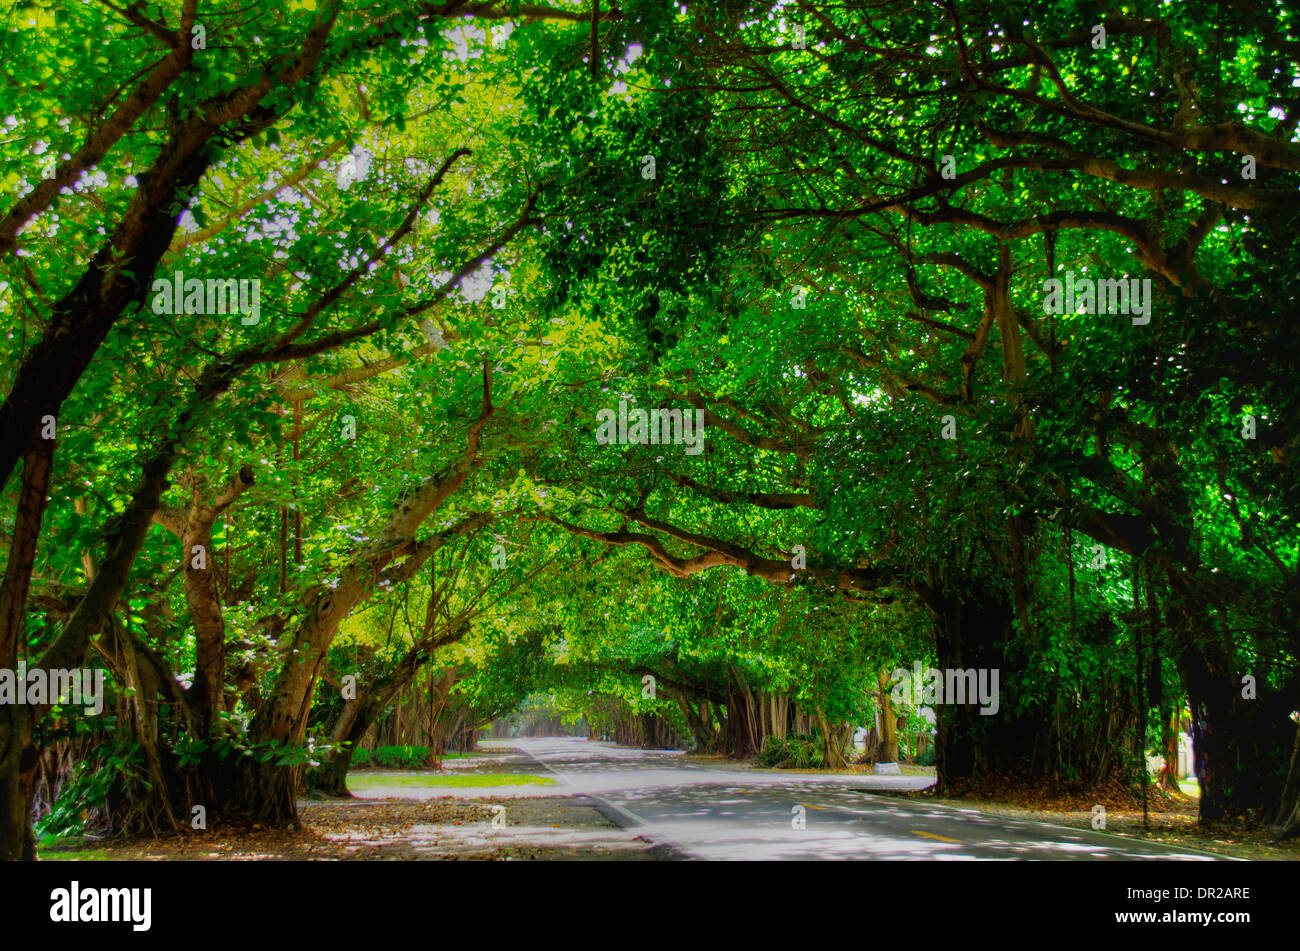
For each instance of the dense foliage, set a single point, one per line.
(370, 500)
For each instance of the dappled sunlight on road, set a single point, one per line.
(736, 813)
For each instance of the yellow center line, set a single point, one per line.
(809, 805)
(938, 838)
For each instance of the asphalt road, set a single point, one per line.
(720, 812)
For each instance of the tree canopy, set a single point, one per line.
(968, 328)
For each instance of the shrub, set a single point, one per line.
(392, 757)
(86, 795)
(796, 751)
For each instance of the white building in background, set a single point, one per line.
(1186, 759)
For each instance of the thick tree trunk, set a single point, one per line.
(22, 551)
(330, 778)
(1288, 813)
(267, 792)
(193, 525)
(18, 758)
(209, 623)
(1169, 747)
(888, 722)
(780, 717)
(18, 763)
(699, 721)
(832, 755)
(971, 631)
(361, 714)
(1239, 744)
(740, 732)
(150, 806)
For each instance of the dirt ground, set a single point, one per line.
(568, 828)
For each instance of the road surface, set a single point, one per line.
(724, 812)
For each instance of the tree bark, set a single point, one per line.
(971, 627)
(18, 763)
(282, 720)
(1288, 813)
(193, 525)
(832, 755)
(888, 722)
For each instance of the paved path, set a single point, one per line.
(720, 812)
